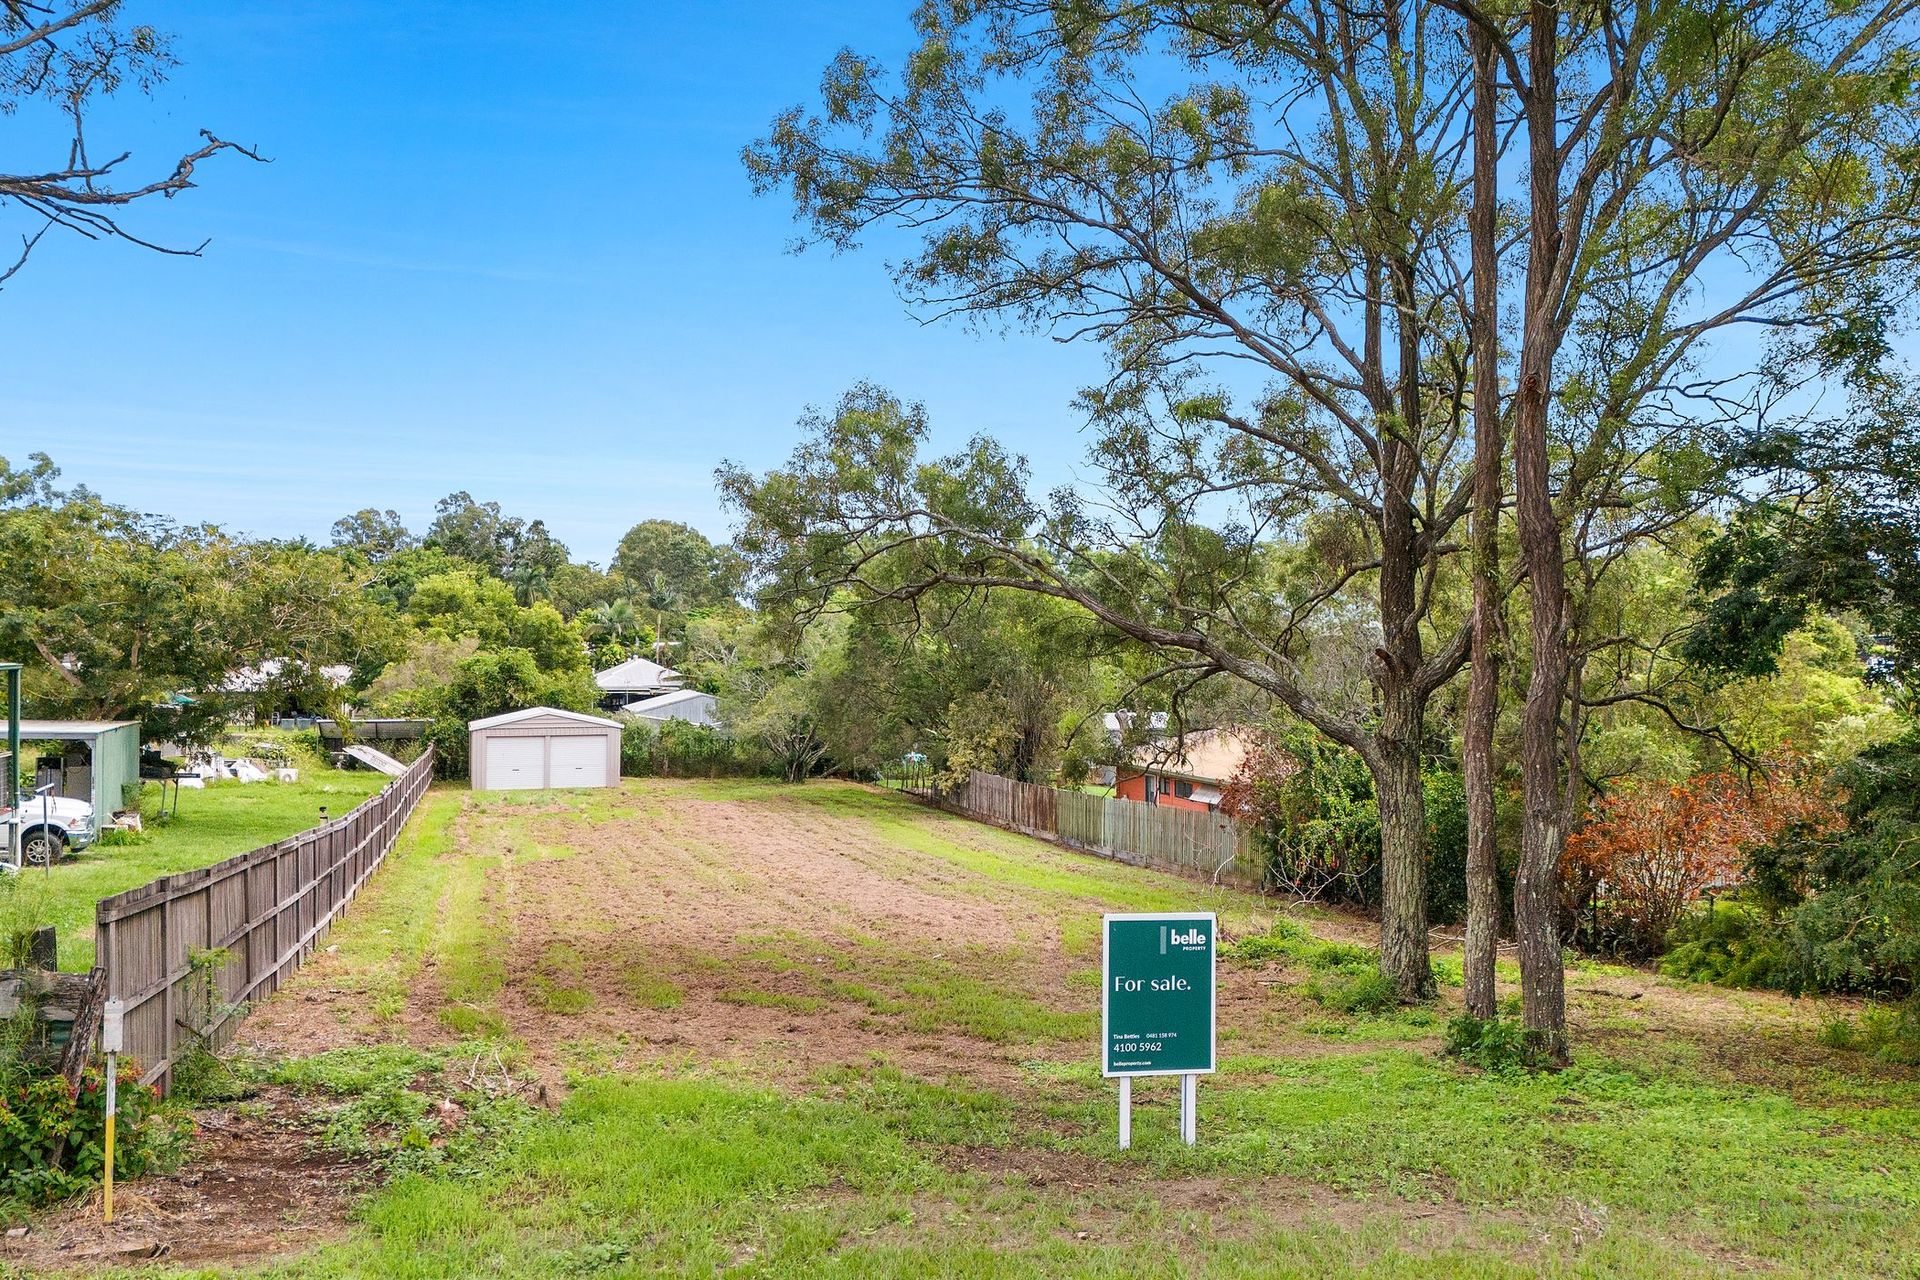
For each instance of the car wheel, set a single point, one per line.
(42, 846)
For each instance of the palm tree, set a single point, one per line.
(661, 597)
(529, 583)
(616, 621)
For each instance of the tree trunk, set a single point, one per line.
(1483, 690)
(1395, 759)
(1395, 765)
(1536, 894)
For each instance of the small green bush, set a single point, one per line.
(1284, 941)
(1838, 1034)
(1730, 947)
(1492, 1044)
(117, 837)
(201, 1075)
(1369, 991)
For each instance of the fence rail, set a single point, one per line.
(261, 911)
(1212, 845)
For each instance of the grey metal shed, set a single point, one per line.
(543, 747)
(690, 705)
(101, 775)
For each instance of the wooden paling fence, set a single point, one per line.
(1211, 845)
(188, 952)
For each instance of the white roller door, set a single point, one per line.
(580, 761)
(515, 764)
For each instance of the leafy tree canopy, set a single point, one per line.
(674, 568)
(1832, 523)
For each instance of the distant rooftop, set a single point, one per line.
(260, 677)
(636, 674)
(1207, 755)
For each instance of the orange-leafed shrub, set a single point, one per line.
(1258, 789)
(1649, 852)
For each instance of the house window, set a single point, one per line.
(1184, 790)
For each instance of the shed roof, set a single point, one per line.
(689, 705)
(70, 730)
(636, 673)
(661, 702)
(537, 713)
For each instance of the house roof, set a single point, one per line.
(259, 677)
(1119, 722)
(1208, 755)
(636, 673)
(540, 713)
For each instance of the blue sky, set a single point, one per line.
(500, 250)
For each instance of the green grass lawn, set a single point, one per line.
(827, 1032)
(215, 823)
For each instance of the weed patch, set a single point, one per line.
(559, 982)
(650, 990)
(755, 998)
(1891, 1035)
(1342, 992)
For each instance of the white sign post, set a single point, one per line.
(1157, 1006)
(113, 1022)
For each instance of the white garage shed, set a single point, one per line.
(543, 747)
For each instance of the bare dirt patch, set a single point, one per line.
(720, 869)
(254, 1187)
(315, 1016)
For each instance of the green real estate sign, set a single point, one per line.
(1156, 1010)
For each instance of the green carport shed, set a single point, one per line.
(101, 775)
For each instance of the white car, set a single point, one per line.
(49, 827)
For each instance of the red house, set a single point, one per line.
(1184, 773)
